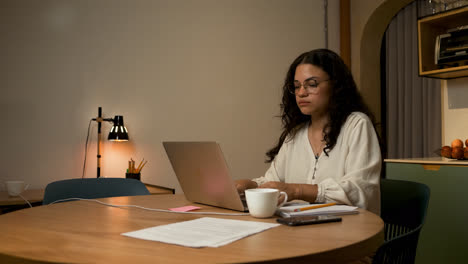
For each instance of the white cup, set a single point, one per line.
(263, 202)
(15, 188)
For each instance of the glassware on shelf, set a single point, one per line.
(429, 7)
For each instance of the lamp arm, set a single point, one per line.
(100, 119)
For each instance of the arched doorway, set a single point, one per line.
(371, 44)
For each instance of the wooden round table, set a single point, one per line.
(88, 232)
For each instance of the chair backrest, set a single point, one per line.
(90, 188)
(403, 210)
(403, 204)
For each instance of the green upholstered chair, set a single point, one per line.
(91, 188)
(403, 209)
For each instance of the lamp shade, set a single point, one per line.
(118, 131)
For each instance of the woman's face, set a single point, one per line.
(312, 89)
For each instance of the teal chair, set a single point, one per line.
(92, 188)
(403, 210)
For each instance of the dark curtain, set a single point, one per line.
(413, 103)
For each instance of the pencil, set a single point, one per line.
(142, 167)
(313, 207)
(138, 168)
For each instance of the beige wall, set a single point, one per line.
(361, 10)
(454, 119)
(176, 70)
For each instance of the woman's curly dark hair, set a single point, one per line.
(344, 99)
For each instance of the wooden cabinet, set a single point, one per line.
(444, 236)
(428, 30)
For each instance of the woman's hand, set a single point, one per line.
(245, 184)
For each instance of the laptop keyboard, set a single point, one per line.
(244, 201)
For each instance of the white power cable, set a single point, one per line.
(149, 209)
(25, 200)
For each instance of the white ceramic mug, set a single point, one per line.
(263, 202)
(15, 188)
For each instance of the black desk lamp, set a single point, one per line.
(118, 133)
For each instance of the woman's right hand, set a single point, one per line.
(245, 184)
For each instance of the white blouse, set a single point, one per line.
(350, 174)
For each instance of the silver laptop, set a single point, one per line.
(203, 174)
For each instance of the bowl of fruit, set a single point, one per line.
(456, 150)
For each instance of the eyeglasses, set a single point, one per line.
(310, 86)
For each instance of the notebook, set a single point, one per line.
(203, 174)
(289, 211)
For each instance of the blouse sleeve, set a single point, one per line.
(360, 184)
(276, 172)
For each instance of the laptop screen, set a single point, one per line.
(203, 174)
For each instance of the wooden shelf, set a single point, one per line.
(428, 29)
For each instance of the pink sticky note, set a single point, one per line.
(184, 208)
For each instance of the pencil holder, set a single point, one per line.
(135, 176)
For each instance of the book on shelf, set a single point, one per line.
(294, 210)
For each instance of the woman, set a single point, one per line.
(328, 150)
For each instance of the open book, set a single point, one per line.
(289, 211)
